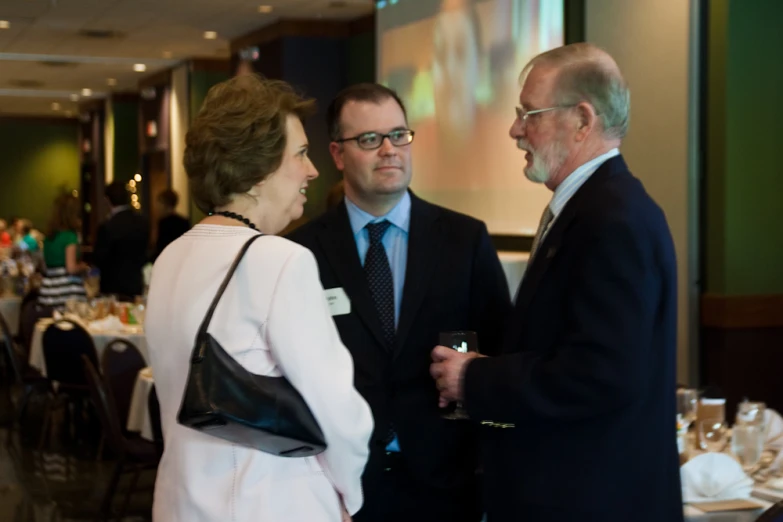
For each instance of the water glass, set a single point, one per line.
(747, 444)
(751, 413)
(712, 434)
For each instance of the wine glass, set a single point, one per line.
(464, 342)
(747, 444)
(687, 406)
(712, 434)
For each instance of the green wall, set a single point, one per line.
(126, 139)
(360, 50)
(200, 83)
(744, 183)
(40, 158)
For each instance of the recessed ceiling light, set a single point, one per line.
(210, 35)
(55, 106)
(86, 92)
(139, 67)
(265, 9)
(111, 81)
(5, 24)
(167, 54)
(74, 97)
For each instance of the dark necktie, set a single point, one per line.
(379, 279)
(546, 219)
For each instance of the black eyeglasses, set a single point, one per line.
(373, 140)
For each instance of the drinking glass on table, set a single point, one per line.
(463, 341)
(687, 406)
(712, 434)
(751, 413)
(747, 444)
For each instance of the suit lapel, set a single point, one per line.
(340, 248)
(424, 248)
(551, 244)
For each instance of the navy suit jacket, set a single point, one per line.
(453, 281)
(578, 413)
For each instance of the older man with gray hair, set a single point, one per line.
(578, 414)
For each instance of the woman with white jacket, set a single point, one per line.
(246, 160)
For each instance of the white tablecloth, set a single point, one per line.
(100, 338)
(9, 307)
(138, 414)
(514, 265)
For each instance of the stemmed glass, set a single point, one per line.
(687, 408)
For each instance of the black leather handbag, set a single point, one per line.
(225, 400)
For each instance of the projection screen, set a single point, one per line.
(456, 64)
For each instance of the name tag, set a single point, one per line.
(338, 301)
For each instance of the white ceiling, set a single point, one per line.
(157, 33)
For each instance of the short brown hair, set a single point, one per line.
(168, 198)
(117, 194)
(66, 214)
(239, 136)
(364, 92)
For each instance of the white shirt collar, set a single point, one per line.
(565, 191)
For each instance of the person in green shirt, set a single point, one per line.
(62, 256)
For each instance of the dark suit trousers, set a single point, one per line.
(391, 494)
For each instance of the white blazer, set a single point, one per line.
(273, 319)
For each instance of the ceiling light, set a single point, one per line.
(137, 177)
(111, 81)
(5, 24)
(139, 67)
(210, 35)
(167, 54)
(55, 106)
(265, 9)
(86, 92)
(74, 97)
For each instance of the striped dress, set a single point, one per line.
(58, 286)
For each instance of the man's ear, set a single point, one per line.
(336, 150)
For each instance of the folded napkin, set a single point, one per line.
(774, 429)
(714, 476)
(109, 323)
(773, 439)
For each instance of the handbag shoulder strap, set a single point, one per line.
(208, 318)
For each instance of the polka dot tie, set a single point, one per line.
(379, 279)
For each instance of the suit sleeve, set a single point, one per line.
(602, 359)
(306, 346)
(490, 301)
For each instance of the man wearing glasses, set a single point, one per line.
(585, 388)
(397, 271)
